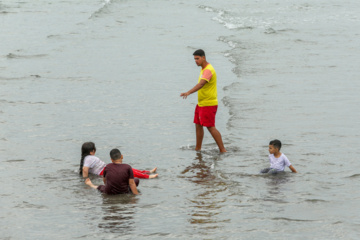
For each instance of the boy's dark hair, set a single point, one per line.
(115, 154)
(199, 52)
(276, 143)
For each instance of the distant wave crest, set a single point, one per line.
(102, 9)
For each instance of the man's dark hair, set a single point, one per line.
(276, 143)
(199, 52)
(115, 154)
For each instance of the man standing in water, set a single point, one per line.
(206, 108)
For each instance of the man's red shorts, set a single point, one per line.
(205, 116)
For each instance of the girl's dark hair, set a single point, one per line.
(86, 148)
(276, 143)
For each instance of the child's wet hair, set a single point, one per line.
(276, 143)
(115, 154)
(86, 148)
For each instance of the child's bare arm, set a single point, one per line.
(292, 169)
(85, 172)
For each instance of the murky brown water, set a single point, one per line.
(112, 72)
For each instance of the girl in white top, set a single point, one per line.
(278, 160)
(89, 163)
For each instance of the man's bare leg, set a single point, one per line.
(199, 136)
(89, 183)
(217, 137)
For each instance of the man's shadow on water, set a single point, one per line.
(205, 207)
(118, 213)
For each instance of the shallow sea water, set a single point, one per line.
(112, 72)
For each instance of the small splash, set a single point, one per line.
(206, 8)
(101, 10)
(270, 31)
(187, 147)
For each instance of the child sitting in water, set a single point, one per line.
(278, 160)
(89, 163)
(118, 177)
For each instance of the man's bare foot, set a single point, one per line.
(153, 176)
(223, 150)
(154, 170)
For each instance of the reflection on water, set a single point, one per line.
(206, 205)
(118, 213)
(201, 170)
(275, 186)
(276, 180)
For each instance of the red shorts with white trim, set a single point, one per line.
(205, 116)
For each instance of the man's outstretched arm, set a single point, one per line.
(196, 88)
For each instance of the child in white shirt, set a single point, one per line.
(278, 160)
